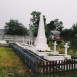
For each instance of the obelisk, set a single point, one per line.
(41, 40)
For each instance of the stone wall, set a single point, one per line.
(16, 38)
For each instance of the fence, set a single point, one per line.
(57, 66)
(39, 65)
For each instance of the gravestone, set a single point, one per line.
(41, 40)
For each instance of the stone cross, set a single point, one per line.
(26, 41)
(29, 42)
(66, 47)
(23, 40)
(55, 46)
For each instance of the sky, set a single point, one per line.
(64, 10)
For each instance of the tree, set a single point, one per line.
(58, 25)
(35, 22)
(74, 29)
(70, 33)
(54, 25)
(15, 28)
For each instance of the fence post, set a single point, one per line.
(46, 64)
(64, 66)
(53, 66)
(69, 65)
(74, 64)
(56, 66)
(50, 69)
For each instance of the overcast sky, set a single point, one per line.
(64, 10)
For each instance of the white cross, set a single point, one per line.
(23, 40)
(55, 46)
(26, 41)
(66, 47)
(29, 42)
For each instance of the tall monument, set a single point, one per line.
(41, 40)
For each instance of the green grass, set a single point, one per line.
(49, 54)
(11, 64)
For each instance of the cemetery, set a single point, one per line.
(41, 44)
(40, 58)
(38, 38)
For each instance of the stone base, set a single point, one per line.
(24, 44)
(43, 48)
(67, 56)
(55, 53)
(54, 58)
(45, 53)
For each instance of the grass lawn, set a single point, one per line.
(11, 64)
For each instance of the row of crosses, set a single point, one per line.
(66, 47)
